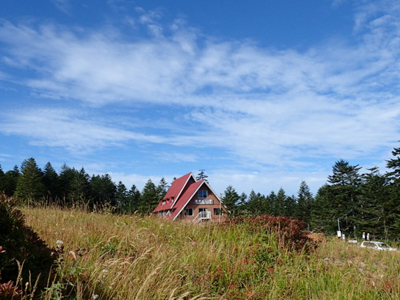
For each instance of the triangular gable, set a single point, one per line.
(174, 192)
(189, 194)
(185, 198)
(183, 187)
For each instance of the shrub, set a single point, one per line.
(288, 231)
(24, 257)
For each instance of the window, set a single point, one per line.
(188, 212)
(218, 212)
(203, 194)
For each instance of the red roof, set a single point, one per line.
(179, 194)
(185, 197)
(173, 193)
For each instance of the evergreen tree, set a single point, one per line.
(65, 181)
(149, 198)
(394, 190)
(339, 200)
(10, 181)
(394, 164)
(272, 204)
(121, 198)
(51, 182)
(324, 212)
(256, 204)
(290, 206)
(304, 203)
(202, 175)
(231, 200)
(376, 212)
(79, 187)
(102, 190)
(133, 201)
(162, 188)
(242, 204)
(30, 186)
(280, 203)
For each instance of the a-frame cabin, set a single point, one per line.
(191, 200)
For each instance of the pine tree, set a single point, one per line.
(394, 164)
(65, 180)
(10, 181)
(121, 198)
(394, 189)
(202, 175)
(339, 200)
(133, 201)
(30, 186)
(290, 206)
(231, 200)
(324, 212)
(102, 190)
(256, 204)
(51, 182)
(376, 212)
(304, 203)
(280, 203)
(162, 188)
(149, 198)
(79, 187)
(271, 198)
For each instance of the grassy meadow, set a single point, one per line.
(105, 256)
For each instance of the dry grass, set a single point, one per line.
(129, 257)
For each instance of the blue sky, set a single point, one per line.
(260, 94)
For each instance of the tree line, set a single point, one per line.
(351, 201)
(71, 187)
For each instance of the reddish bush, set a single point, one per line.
(288, 231)
(9, 291)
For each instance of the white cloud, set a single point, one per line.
(263, 106)
(62, 5)
(68, 129)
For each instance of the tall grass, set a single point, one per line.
(105, 256)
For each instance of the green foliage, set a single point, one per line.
(133, 200)
(51, 183)
(149, 198)
(305, 203)
(256, 204)
(102, 190)
(24, 256)
(162, 188)
(394, 164)
(340, 198)
(202, 175)
(376, 211)
(231, 200)
(10, 181)
(30, 186)
(79, 188)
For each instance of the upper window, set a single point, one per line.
(203, 194)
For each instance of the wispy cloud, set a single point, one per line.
(264, 106)
(68, 129)
(62, 5)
